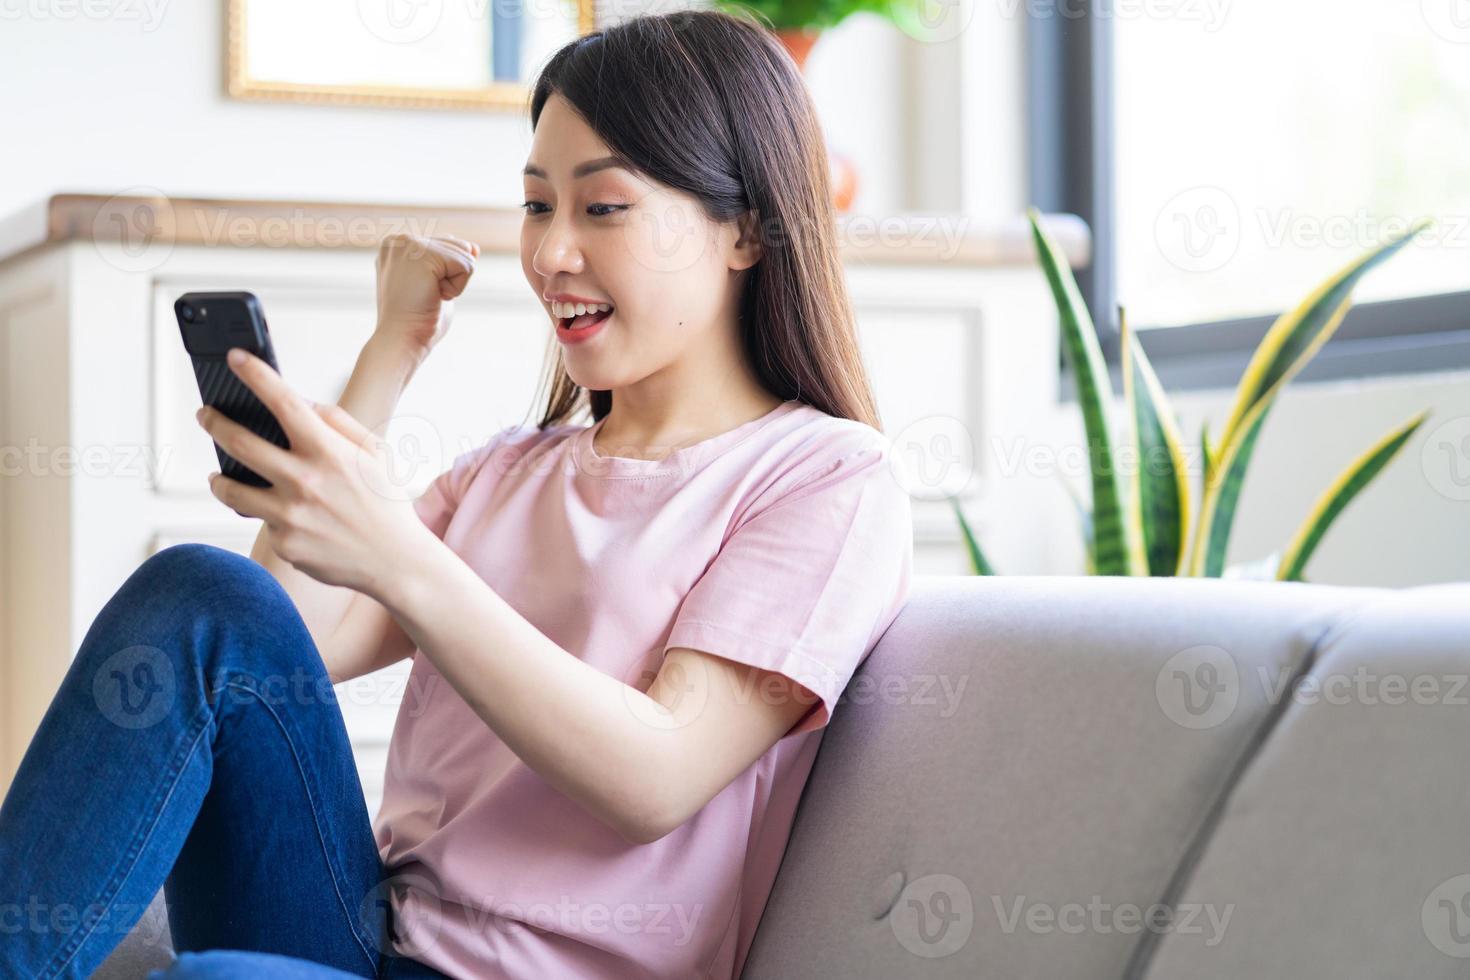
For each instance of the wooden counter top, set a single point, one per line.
(901, 239)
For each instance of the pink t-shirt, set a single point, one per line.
(785, 543)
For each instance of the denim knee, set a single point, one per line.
(197, 561)
(193, 568)
(183, 598)
(229, 964)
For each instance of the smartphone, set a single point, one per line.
(210, 324)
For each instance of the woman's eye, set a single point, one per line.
(596, 210)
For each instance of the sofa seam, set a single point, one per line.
(1185, 866)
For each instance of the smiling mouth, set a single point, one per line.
(584, 321)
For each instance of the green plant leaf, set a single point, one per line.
(1289, 344)
(1217, 512)
(1204, 446)
(1159, 483)
(1299, 333)
(978, 562)
(1111, 552)
(1339, 494)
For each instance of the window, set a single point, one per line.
(1243, 150)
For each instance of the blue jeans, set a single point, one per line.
(195, 744)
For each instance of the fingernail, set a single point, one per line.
(236, 356)
(199, 415)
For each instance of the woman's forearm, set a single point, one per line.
(382, 372)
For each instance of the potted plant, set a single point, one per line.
(1151, 521)
(799, 24)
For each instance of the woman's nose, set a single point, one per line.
(557, 251)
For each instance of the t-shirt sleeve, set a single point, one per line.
(437, 504)
(807, 585)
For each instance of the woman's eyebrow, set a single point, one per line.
(581, 169)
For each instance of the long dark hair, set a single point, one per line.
(711, 103)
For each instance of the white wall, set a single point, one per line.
(106, 104)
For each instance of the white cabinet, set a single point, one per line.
(104, 463)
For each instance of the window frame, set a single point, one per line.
(1070, 168)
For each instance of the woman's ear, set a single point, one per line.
(747, 250)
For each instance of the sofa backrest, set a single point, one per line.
(1345, 846)
(1026, 767)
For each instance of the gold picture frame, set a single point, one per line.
(244, 81)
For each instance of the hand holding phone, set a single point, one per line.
(210, 324)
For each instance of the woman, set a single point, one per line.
(626, 636)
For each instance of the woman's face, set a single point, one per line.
(607, 234)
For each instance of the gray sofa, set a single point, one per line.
(1061, 777)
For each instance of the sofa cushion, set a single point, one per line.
(1343, 852)
(1020, 765)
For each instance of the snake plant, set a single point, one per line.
(1150, 520)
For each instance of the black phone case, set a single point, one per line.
(219, 386)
